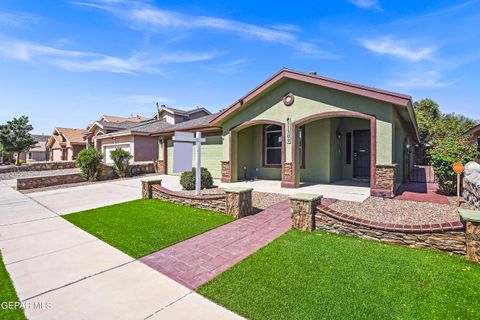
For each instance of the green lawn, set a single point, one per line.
(144, 226)
(7, 294)
(325, 276)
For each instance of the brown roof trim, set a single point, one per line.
(474, 129)
(374, 93)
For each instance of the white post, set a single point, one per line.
(198, 168)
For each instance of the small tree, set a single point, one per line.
(89, 161)
(121, 158)
(187, 179)
(15, 136)
(444, 153)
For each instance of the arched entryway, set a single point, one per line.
(333, 146)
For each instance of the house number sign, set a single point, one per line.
(289, 131)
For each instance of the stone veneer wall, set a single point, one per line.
(106, 173)
(160, 167)
(385, 180)
(446, 236)
(40, 166)
(471, 184)
(226, 175)
(209, 202)
(41, 182)
(287, 175)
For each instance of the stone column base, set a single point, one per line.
(147, 188)
(288, 180)
(385, 181)
(239, 202)
(160, 167)
(472, 233)
(226, 174)
(304, 208)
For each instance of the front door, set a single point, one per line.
(361, 154)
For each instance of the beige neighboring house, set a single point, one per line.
(108, 124)
(39, 152)
(66, 143)
(174, 116)
(137, 139)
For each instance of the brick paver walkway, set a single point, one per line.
(195, 261)
(422, 192)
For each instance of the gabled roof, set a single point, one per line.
(112, 125)
(374, 93)
(181, 112)
(199, 123)
(145, 128)
(71, 135)
(108, 118)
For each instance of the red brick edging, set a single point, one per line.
(187, 196)
(404, 228)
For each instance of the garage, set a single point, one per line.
(109, 148)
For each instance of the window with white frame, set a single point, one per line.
(272, 141)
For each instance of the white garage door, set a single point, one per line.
(108, 149)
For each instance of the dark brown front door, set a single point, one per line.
(361, 154)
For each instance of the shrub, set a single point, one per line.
(187, 180)
(121, 158)
(444, 153)
(89, 161)
(21, 162)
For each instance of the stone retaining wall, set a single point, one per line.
(209, 202)
(106, 173)
(40, 166)
(48, 181)
(447, 236)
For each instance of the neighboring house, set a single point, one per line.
(137, 138)
(174, 116)
(475, 136)
(39, 152)
(107, 118)
(66, 143)
(302, 128)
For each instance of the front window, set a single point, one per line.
(273, 145)
(478, 143)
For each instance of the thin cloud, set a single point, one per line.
(367, 4)
(430, 79)
(83, 61)
(398, 48)
(144, 99)
(153, 19)
(17, 20)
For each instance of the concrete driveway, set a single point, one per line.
(62, 272)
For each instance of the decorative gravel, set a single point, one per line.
(260, 200)
(398, 211)
(26, 174)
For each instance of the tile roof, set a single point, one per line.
(74, 136)
(190, 124)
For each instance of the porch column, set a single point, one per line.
(229, 163)
(290, 156)
(161, 163)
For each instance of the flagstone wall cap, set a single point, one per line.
(238, 190)
(305, 196)
(469, 215)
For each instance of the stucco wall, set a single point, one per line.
(211, 156)
(311, 99)
(146, 148)
(56, 155)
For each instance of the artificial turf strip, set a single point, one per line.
(144, 226)
(8, 295)
(325, 276)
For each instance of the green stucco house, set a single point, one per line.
(299, 127)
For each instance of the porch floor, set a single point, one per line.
(348, 190)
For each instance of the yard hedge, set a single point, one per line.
(187, 179)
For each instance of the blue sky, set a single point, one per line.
(65, 63)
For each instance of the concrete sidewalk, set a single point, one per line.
(74, 275)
